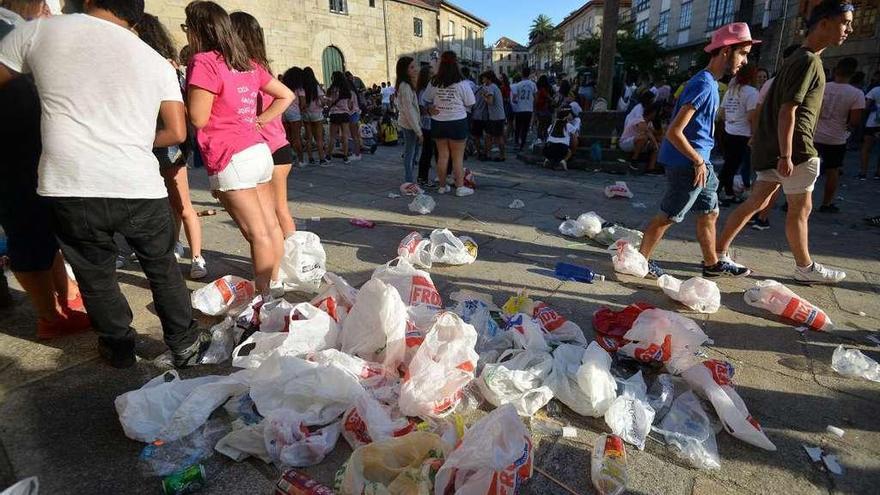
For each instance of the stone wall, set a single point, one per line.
(401, 35)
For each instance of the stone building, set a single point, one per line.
(507, 56)
(585, 22)
(363, 36)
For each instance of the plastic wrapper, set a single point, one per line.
(697, 293)
(304, 262)
(518, 378)
(628, 260)
(854, 364)
(582, 380)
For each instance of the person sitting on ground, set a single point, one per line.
(558, 149)
(388, 135)
(638, 138)
(644, 100)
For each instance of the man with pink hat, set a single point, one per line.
(783, 152)
(691, 181)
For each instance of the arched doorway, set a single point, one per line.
(331, 61)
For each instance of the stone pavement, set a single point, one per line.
(57, 419)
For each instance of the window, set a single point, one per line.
(663, 23)
(372, 3)
(417, 27)
(720, 13)
(642, 5)
(590, 24)
(339, 6)
(508, 57)
(684, 20)
(864, 20)
(641, 28)
(450, 29)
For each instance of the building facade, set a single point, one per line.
(585, 22)
(507, 56)
(365, 37)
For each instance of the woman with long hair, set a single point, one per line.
(342, 104)
(172, 163)
(739, 105)
(223, 88)
(249, 31)
(292, 117)
(312, 105)
(544, 107)
(429, 149)
(449, 97)
(409, 120)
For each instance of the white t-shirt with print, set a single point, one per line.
(634, 115)
(837, 102)
(451, 101)
(874, 118)
(522, 95)
(738, 102)
(100, 90)
(765, 89)
(387, 92)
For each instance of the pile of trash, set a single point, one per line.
(595, 227)
(442, 246)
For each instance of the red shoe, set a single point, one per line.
(76, 304)
(72, 323)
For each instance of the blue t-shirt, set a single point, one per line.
(702, 93)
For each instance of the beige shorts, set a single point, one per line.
(802, 179)
(248, 167)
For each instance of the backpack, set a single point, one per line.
(388, 134)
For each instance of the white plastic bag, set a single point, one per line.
(712, 379)
(525, 333)
(582, 379)
(290, 442)
(572, 228)
(442, 366)
(308, 330)
(395, 466)
(630, 416)
(613, 233)
(452, 250)
(416, 249)
(780, 300)
(665, 337)
(368, 420)
(660, 395)
(275, 316)
(226, 294)
(687, 428)
(244, 441)
(304, 262)
(519, 378)
(555, 326)
(337, 299)
(422, 204)
(618, 190)
(854, 364)
(222, 342)
(494, 457)
(697, 293)
(628, 260)
(27, 486)
(591, 222)
(476, 312)
(375, 329)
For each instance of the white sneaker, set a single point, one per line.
(444, 189)
(725, 258)
(276, 289)
(546, 162)
(563, 164)
(357, 157)
(818, 274)
(178, 250)
(198, 269)
(463, 191)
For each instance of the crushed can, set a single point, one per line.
(187, 480)
(293, 482)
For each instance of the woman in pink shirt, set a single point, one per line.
(223, 88)
(342, 104)
(248, 29)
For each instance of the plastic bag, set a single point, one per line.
(164, 458)
(713, 380)
(628, 260)
(780, 300)
(27, 486)
(610, 326)
(630, 416)
(697, 293)
(422, 204)
(572, 228)
(308, 330)
(519, 378)
(687, 428)
(660, 395)
(618, 190)
(664, 337)
(441, 367)
(613, 233)
(591, 222)
(290, 442)
(452, 250)
(555, 326)
(376, 327)
(852, 363)
(470, 180)
(304, 262)
(416, 249)
(494, 457)
(477, 313)
(243, 441)
(403, 465)
(226, 294)
(337, 299)
(581, 379)
(368, 420)
(525, 333)
(222, 343)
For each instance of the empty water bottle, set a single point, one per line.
(567, 271)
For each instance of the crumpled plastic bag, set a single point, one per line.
(495, 456)
(688, 429)
(369, 420)
(780, 300)
(304, 262)
(422, 204)
(612, 233)
(477, 313)
(712, 379)
(441, 367)
(665, 337)
(581, 379)
(243, 441)
(610, 326)
(416, 249)
(290, 442)
(628, 260)
(519, 378)
(854, 364)
(274, 315)
(618, 190)
(403, 465)
(337, 298)
(525, 333)
(591, 222)
(630, 416)
(167, 408)
(226, 294)
(161, 459)
(660, 395)
(222, 342)
(555, 326)
(697, 293)
(375, 329)
(449, 249)
(308, 330)
(572, 228)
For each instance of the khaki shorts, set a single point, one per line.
(802, 179)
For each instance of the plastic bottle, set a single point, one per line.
(567, 271)
(780, 300)
(608, 465)
(164, 459)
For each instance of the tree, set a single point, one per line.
(637, 54)
(543, 36)
(542, 26)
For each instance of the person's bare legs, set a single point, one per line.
(40, 288)
(177, 184)
(282, 210)
(355, 134)
(66, 288)
(638, 146)
(346, 135)
(318, 134)
(706, 237)
(246, 210)
(762, 191)
(308, 144)
(266, 196)
(334, 135)
(867, 147)
(764, 214)
(796, 227)
(832, 182)
(456, 154)
(442, 160)
(294, 137)
(655, 231)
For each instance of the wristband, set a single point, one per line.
(786, 157)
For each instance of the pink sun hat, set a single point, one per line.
(731, 34)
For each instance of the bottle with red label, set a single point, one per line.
(608, 465)
(782, 301)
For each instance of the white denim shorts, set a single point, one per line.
(801, 181)
(248, 167)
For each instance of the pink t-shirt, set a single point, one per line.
(838, 101)
(231, 127)
(273, 132)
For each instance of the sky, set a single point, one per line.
(512, 18)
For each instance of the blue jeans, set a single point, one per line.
(410, 153)
(682, 196)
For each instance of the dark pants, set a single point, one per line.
(522, 122)
(736, 152)
(85, 229)
(429, 151)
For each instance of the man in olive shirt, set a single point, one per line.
(783, 153)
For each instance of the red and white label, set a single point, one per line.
(424, 292)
